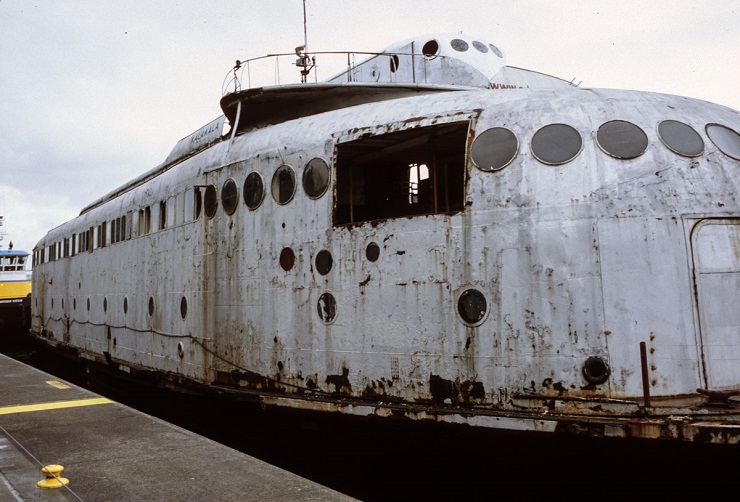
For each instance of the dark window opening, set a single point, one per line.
(414, 172)
(162, 215)
(198, 203)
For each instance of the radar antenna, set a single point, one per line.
(304, 61)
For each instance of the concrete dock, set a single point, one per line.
(111, 452)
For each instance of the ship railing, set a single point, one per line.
(334, 67)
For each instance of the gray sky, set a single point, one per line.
(93, 93)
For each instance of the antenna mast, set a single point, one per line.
(304, 62)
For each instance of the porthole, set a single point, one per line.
(372, 252)
(74, 303)
(480, 47)
(198, 203)
(494, 149)
(283, 184)
(496, 50)
(680, 138)
(125, 305)
(287, 259)
(596, 370)
(151, 306)
(52, 303)
(183, 307)
(254, 191)
(323, 262)
(62, 303)
(210, 201)
(556, 144)
(316, 178)
(327, 308)
(459, 45)
(724, 138)
(394, 63)
(105, 304)
(621, 139)
(180, 350)
(430, 49)
(88, 304)
(229, 196)
(472, 306)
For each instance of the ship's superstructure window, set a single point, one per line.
(494, 149)
(379, 177)
(210, 201)
(480, 47)
(680, 138)
(724, 138)
(316, 178)
(430, 49)
(556, 144)
(459, 45)
(162, 215)
(324, 262)
(496, 50)
(197, 203)
(254, 191)
(229, 196)
(283, 184)
(287, 259)
(622, 139)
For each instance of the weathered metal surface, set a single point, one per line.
(518, 299)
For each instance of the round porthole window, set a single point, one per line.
(459, 45)
(326, 307)
(480, 47)
(494, 149)
(595, 370)
(496, 50)
(287, 259)
(323, 262)
(316, 178)
(680, 138)
(105, 304)
(254, 191)
(125, 305)
(151, 306)
(229, 196)
(622, 139)
(210, 201)
(556, 144)
(183, 307)
(430, 49)
(283, 184)
(724, 138)
(472, 306)
(372, 252)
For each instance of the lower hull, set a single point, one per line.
(693, 418)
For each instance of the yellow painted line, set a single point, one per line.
(8, 410)
(57, 384)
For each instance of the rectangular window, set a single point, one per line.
(147, 219)
(418, 171)
(163, 215)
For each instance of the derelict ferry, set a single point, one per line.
(429, 234)
(15, 287)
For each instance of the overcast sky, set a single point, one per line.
(93, 93)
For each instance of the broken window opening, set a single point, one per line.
(418, 171)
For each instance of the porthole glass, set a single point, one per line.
(372, 252)
(724, 138)
(151, 306)
(323, 262)
(105, 304)
(430, 49)
(556, 144)
(74, 303)
(622, 139)
(62, 303)
(394, 63)
(316, 178)
(283, 184)
(210, 201)
(680, 138)
(480, 47)
(327, 308)
(229, 196)
(52, 303)
(183, 307)
(494, 149)
(287, 259)
(254, 191)
(459, 45)
(125, 305)
(496, 50)
(88, 304)
(472, 306)
(596, 370)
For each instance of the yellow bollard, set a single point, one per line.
(53, 478)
